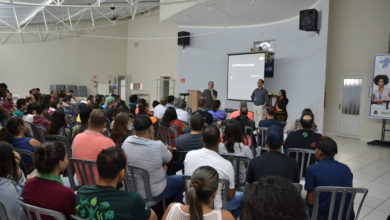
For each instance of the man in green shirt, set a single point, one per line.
(21, 106)
(104, 201)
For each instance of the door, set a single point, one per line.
(349, 107)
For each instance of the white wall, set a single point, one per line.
(300, 59)
(358, 30)
(67, 61)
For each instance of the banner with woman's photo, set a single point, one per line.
(380, 91)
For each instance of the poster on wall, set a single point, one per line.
(380, 90)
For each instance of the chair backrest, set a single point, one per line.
(299, 187)
(303, 157)
(36, 131)
(137, 180)
(23, 163)
(261, 138)
(345, 206)
(223, 186)
(164, 134)
(3, 212)
(37, 212)
(84, 170)
(239, 163)
(76, 217)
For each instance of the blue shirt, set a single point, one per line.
(328, 172)
(24, 144)
(270, 122)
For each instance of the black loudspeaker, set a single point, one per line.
(308, 20)
(183, 38)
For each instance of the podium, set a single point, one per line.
(194, 96)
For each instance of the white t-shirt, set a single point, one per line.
(159, 111)
(183, 115)
(206, 157)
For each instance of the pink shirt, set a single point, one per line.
(88, 145)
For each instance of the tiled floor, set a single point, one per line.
(370, 166)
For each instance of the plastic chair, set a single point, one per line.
(261, 136)
(137, 179)
(299, 187)
(182, 156)
(23, 163)
(344, 202)
(36, 131)
(85, 171)
(38, 212)
(3, 212)
(238, 162)
(223, 188)
(303, 157)
(41, 135)
(76, 217)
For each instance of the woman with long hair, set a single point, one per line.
(273, 197)
(281, 106)
(15, 134)
(233, 144)
(120, 129)
(199, 196)
(57, 125)
(170, 120)
(11, 181)
(50, 160)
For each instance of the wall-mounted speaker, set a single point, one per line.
(308, 20)
(183, 38)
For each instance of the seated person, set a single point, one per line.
(50, 160)
(327, 172)
(39, 118)
(296, 125)
(30, 113)
(269, 119)
(159, 110)
(154, 155)
(11, 181)
(58, 125)
(133, 100)
(244, 119)
(143, 109)
(84, 116)
(208, 156)
(233, 145)
(216, 113)
(21, 107)
(170, 101)
(200, 194)
(208, 118)
(15, 133)
(192, 140)
(238, 112)
(170, 120)
(182, 114)
(120, 129)
(273, 197)
(105, 199)
(273, 163)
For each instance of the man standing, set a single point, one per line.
(210, 94)
(260, 100)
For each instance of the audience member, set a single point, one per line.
(50, 160)
(15, 133)
(30, 113)
(273, 197)
(199, 196)
(87, 145)
(104, 199)
(53, 95)
(110, 108)
(120, 130)
(269, 119)
(100, 100)
(133, 103)
(170, 100)
(208, 156)
(327, 172)
(12, 181)
(154, 155)
(9, 102)
(281, 106)
(143, 109)
(39, 118)
(215, 112)
(170, 120)
(182, 114)
(58, 125)
(208, 118)
(192, 140)
(273, 163)
(84, 116)
(21, 107)
(296, 125)
(159, 110)
(238, 112)
(244, 119)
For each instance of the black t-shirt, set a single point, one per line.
(189, 142)
(208, 118)
(302, 139)
(270, 122)
(273, 164)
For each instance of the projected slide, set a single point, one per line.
(243, 73)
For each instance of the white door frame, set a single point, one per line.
(339, 112)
